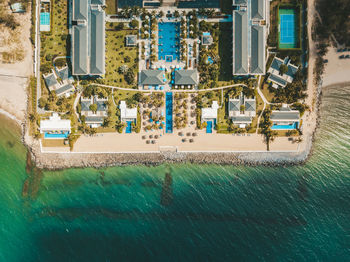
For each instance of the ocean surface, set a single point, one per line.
(182, 212)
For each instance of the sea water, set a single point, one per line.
(182, 212)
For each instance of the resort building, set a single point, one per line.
(127, 114)
(242, 110)
(185, 4)
(150, 78)
(249, 37)
(94, 109)
(277, 76)
(186, 78)
(285, 119)
(131, 40)
(55, 127)
(51, 81)
(88, 37)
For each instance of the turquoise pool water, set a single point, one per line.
(169, 112)
(168, 41)
(57, 136)
(45, 18)
(285, 127)
(209, 127)
(128, 128)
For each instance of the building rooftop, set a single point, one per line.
(88, 38)
(127, 113)
(151, 77)
(186, 77)
(64, 89)
(258, 9)
(63, 73)
(207, 39)
(240, 39)
(285, 114)
(257, 63)
(131, 40)
(50, 80)
(210, 112)
(55, 123)
(275, 73)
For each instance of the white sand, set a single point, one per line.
(14, 77)
(336, 70)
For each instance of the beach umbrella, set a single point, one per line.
(156, 136)
(147, 142)
(143, 137)
(150, 136)
(191, 140)
(181, 134)
(184, 140)
(194, 134)
(153, 141)
(188, 134)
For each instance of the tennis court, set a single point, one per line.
(44, 18)
(287, 28)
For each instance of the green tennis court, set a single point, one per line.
(287, 28)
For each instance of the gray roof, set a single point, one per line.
(258, 9)
(85, 105)
(64, 89)
(257, 50)
(186, 77)
(94, 119)
(97, 45)
(276, 64)
(207, 39)
(234, 105)
(80, 8)
(131, 39)
(151, 77)
(285, 115)
(277, 79)
(238, 2)
(98, 2)
(50, 80)
(241, 119)
(101, 105)
(240, 54)
(64, 73)
(80, 50)
(250, 105)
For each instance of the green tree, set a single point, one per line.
(93, 108)
(134, 23)
(283, 69)
(42, 102)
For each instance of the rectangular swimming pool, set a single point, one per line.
(287, 28)
(56, 136)
(169, 112)
(209, 127)
(284, 127)
(128, 128)
(169, 41)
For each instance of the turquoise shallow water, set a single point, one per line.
(209, 213)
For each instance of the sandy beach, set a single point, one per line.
(14, 77)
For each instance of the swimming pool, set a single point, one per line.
(284, 127)
(56, 136)
(128, 128)
(287, 28)
(45, 18)
(209, 127)
(169, 112)
(169, 41)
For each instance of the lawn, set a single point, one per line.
(53, 143)
(225, 53)
(111, 7)
(55, 42)
(117, 54)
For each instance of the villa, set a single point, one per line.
(278, 78)
(127, 114)
(242, 110)
(186, 78)
(61, 85)
(210, 115)
(88, 37)
(249, 36)
(285, 119)
(94, 118)
(55, 127)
